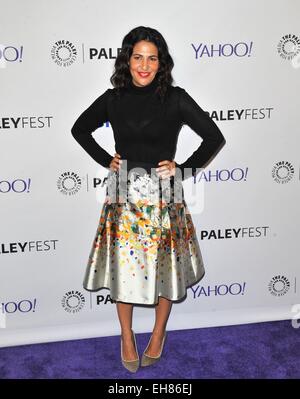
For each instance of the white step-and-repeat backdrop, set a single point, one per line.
(240, 60)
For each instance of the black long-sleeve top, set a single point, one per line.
(145, 129)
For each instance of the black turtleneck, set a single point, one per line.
(144, 128)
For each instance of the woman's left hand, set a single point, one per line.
(166, 169)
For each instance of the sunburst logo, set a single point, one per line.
(64, 53)
(288, 46)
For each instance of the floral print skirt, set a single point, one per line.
(145, 244)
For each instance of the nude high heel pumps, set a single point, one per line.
(131, 365)
(149, 360)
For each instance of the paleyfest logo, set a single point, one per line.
(283, 172)
(288, 46)
(69, 183)
(279, 285)
(64, 53)
(73, 301)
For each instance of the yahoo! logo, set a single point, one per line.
(219, 290)
(240, 49)
(16, 186)
(23, 306)
(235, 174)
(10, 54)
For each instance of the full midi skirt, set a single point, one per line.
(145, 244)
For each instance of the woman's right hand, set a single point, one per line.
(114, 166)
(115, 163)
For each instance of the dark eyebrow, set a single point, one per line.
(153, 55)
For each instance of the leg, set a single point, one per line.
(125, 311)
(162, 312)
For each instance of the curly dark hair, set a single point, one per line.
(121, 76)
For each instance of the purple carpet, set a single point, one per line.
(260, 350)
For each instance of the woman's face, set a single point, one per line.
(143, 63)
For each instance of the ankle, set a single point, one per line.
(127, 333)
(158, 332)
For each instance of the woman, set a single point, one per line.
(145, 249)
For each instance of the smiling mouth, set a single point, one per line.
(144, 74)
